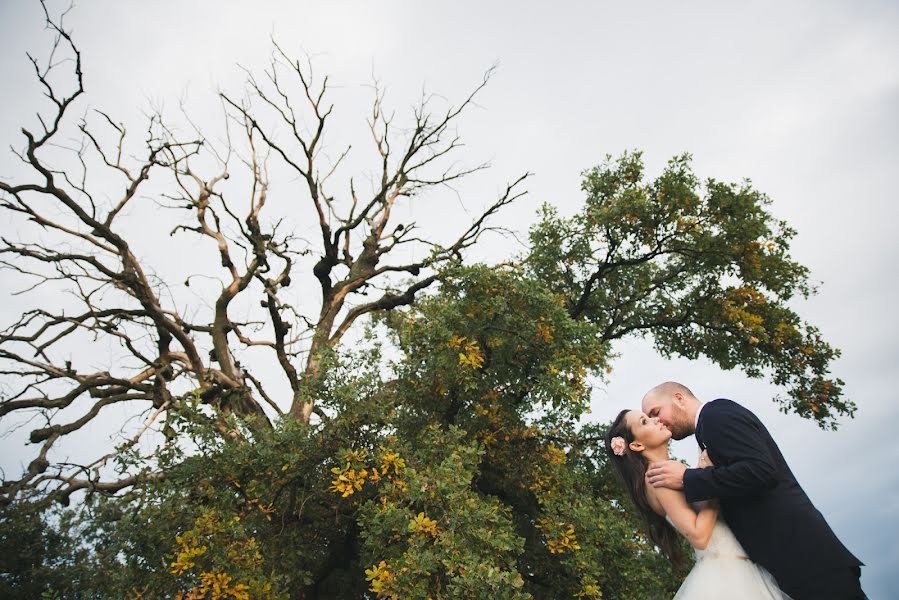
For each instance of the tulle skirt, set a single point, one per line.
(728, 578)
(723, 571)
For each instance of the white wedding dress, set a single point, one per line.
(723, 571)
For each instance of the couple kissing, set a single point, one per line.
(755, 533)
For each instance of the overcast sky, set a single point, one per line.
(799, 97)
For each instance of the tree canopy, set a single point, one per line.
(443, 451)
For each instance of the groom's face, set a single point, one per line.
(671, 413)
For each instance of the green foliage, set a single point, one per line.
(462, 467)
(703, 270)
(37, 555)
(431, 534)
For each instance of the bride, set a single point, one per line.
(722, 569)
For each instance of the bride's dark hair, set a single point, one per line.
(631, 468)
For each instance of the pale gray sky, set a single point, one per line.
(800, 97)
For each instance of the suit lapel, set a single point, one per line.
(698, 433)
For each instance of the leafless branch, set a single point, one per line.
(75, 237)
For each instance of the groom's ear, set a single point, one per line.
(679, 399)
(636, 446)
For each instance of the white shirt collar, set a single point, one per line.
(696, 423)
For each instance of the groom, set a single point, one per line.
(760, 499)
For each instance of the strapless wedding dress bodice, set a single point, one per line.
(722, 544)
(724, 571)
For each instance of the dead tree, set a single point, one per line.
(74, 239)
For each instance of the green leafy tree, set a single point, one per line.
(444, 453)
(701, 269)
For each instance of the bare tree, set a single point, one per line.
(171, 356)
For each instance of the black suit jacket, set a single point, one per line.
(761, 500)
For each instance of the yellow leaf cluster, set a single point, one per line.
(349, 481)
(216, 585)
(545, 486)
(210, 530)
(752, 257)
(555, 455)
(391, 460)
(783, 333)
(488, 438)
(565, 542)
(381, 579)
(470, 355)
(544, 331)
(355, 456)
(184, 561)
(245, 552)
(266, 509)
(351, 477)
(456, 341)
(539, 484)
(424, 525)
(737, 309)
(189, 544)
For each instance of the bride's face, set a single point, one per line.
(648, 432)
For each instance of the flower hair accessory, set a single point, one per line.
(618, 445)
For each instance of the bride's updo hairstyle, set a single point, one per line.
(631, 468)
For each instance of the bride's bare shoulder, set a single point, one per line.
(652, 497)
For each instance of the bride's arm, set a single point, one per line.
(695, 526)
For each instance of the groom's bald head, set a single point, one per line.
(669, 388)
(674, 405)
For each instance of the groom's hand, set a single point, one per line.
(667, 474)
